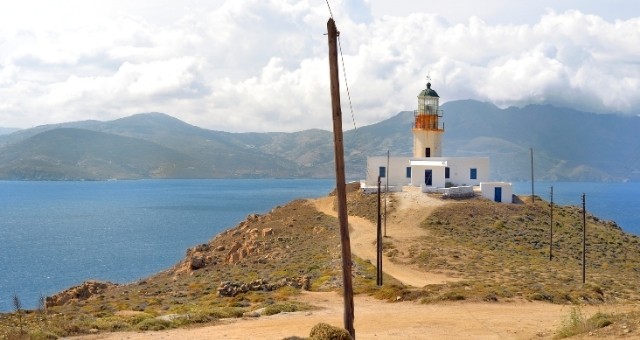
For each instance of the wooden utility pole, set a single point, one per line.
(379, 242)
(584, 239)
(341, 190)
(532, 193)
(386, 192)
(551, 229)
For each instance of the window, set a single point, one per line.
(427, 152)
(446, 172)
(408, 172)
(474, 173)
(382, 171)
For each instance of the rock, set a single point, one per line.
(255, 313)
(78, 293)
(197, 262)
(231, 289)
(202, 247)
(169, 317)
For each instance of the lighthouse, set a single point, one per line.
(428, 169)
(427, 128)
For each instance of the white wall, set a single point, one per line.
(427, 139)
(396, 173)
(488, 191)
(460, 170)
(418, 175)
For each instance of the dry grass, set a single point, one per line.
(502, 252)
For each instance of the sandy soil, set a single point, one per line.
(375, 319)
(379, 320)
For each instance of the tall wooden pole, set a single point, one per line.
(584, 239)
(379, 243)
(532, 193)
(551, 229)
(341, 190)
(386, 192)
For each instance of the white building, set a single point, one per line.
(427, 168)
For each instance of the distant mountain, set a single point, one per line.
(568, 145)
(70, 153)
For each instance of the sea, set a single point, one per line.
(54, 235)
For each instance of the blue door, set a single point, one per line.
(428, 177)
(497, 194)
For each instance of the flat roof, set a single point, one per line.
(429, 163)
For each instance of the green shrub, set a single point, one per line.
(453, 296)
(323, 331)
(577, 324)
(574, 324)
(389, 292)
(600, 320)
(152, 325)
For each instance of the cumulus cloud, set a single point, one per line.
(251, 65)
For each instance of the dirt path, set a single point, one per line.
(401, 228)
(379, 320)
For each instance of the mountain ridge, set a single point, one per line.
(568, 145)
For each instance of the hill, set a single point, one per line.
(69, 153)
(490, 257)
(568, 146)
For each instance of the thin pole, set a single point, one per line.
(379, 243)
(551, 229)
(532, 192)
(386, 192)
(584, 239)
(340, 178)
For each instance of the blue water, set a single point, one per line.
(619, 202)
(54, 235)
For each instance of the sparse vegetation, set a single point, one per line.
(501, 252)
(576, 323)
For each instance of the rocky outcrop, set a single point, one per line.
(230, 289)
(250, 237)
(81, 292)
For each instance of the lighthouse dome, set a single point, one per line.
(428, 92)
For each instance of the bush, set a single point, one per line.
(152, 325)
(600, 320)
(323, 331)
(389, 292)
(573, 325)
(577, 324)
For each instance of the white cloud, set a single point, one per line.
(251, 65)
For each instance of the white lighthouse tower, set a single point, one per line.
(427, 129)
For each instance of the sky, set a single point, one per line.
(261, 65)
